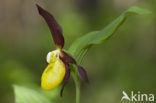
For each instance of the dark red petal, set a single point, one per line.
(68, 59)
(54, 27)
(66, 78)
(83, 74)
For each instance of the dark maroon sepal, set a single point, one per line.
(54, 27)
(83, 74)
(66, 78)
(68, 59)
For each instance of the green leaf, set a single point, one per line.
(26, 95)
(80, 47)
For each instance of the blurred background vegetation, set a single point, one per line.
(126, 62)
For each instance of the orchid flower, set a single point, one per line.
(58, 68)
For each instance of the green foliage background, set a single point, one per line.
(125, 62)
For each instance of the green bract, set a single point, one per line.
(79, 48)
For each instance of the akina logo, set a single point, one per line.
(140, 97)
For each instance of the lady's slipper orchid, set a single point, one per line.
(58, 68)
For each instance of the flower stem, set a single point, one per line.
(77, 85)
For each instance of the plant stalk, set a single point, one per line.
(77, 86)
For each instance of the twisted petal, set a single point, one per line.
(66, 58)
(53, 26)
(66, 78)
(83, 74)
